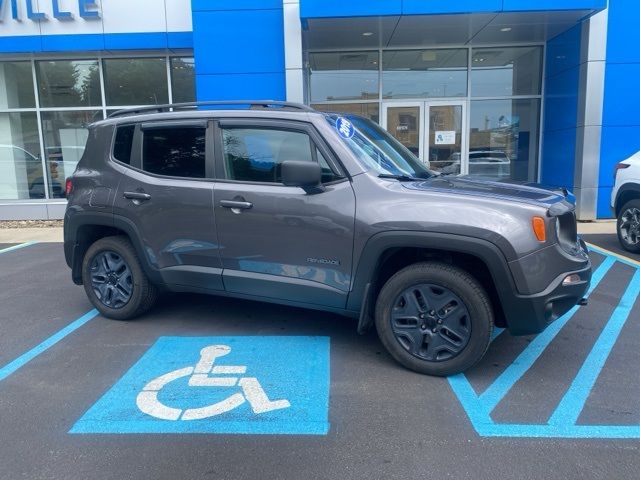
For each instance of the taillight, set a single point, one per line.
(68, 187)
(619, 166)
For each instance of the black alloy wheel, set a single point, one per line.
(115, 280)
(111, 279)
(434, 318)
(431, 322)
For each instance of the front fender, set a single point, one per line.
(375, 247)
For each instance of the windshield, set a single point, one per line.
(379, 151)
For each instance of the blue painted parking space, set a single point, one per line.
(239, 385)
(563, 423)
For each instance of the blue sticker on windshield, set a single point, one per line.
(345, 127)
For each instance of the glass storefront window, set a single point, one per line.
(504, 138)
(501, 72)
(183, 79)
(65, 135)
(343, 76)
(16, 85)
(424, 73)
(367, 110)
(20, 165)
(70, 97)
(69, 83)
(136, 81)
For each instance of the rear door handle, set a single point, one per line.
(236, 204)
(137, 196)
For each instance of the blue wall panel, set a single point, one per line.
(623, 33)
(96, 42)
(365, 8)
(537, 5)
(27, 43)
(239, 50)
(622, 105)
(180, 40)
(418, 7)
(561, 52)
(123, 41)
(561, 109)
(72, 43)
(241, 41)
(253, 86)
(353, 8)
(213, 5)
(621, 122)
(558, 154)
(561, 100)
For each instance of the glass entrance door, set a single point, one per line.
(405, 122)
(434, 131)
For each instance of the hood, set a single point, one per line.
(465, 185)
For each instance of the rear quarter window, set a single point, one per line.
(123, 143)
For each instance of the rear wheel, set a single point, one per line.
(629, 226)
(114, 280)
(434, 318)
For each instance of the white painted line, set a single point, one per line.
(618, 256)
(17, 247)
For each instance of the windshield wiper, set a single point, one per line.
(402, 178)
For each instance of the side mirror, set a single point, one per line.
(307, 175)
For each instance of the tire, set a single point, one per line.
(119, 253)
(442, 342)
(628, 226)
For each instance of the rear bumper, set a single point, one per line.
(531, 314)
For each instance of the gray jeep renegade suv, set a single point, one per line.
(277, 202)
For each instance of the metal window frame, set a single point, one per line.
(166, 55)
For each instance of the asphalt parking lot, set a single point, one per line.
(559, 405)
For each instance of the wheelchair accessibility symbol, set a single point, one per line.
(206, 374)
(271, 385)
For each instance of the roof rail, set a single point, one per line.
(172, 107)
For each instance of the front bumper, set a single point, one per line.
(531, 314)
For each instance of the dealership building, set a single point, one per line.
(517, 90)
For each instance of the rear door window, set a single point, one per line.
(175, 151)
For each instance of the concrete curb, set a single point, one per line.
(604, 226)
(22, 235)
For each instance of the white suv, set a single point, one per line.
(625, 201)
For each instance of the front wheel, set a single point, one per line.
(434, 318)
(628, 226)
(114, 280)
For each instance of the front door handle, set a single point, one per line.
(236, 204)
(137, 196)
